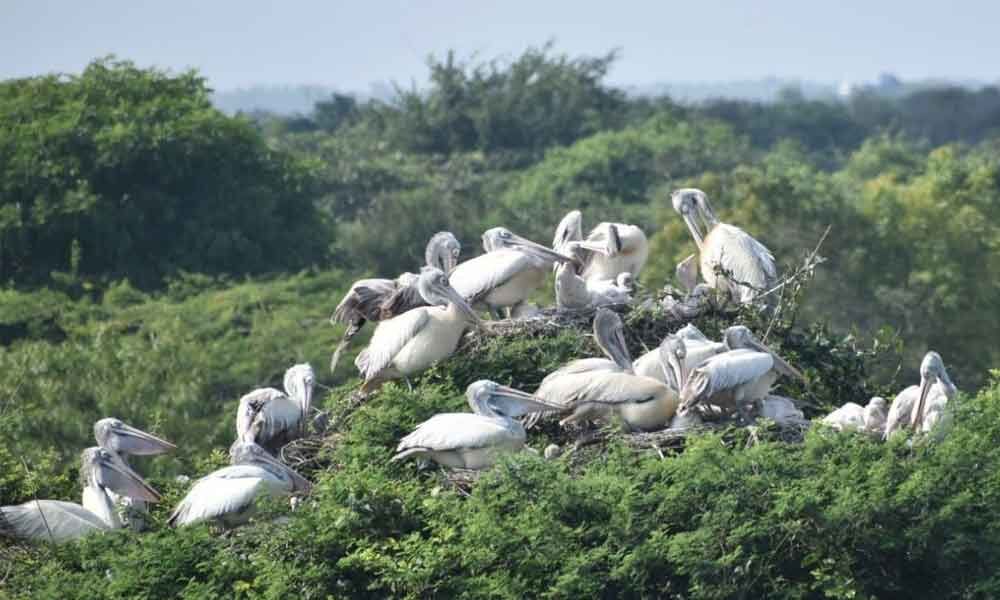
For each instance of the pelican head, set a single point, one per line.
(442, 251)
(299, 382)
(610, 334)
(116, 436)
(435, 289)
(931, 371)
(687, 203)
(738, 336)
(102, 468)
(501, 237)
(673, 353)
(249, 453)
(570, 229)
(489, 398)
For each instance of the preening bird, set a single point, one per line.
(697, 349)
(573, 292)
(512, 268)
(415, 340)
(722, 246)
(735, 379)
(613, 248)
(57, 521)
(474, 440)
(227, 496)
(282, 415)
(923, 407)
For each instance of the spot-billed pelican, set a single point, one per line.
(614, 247)
(876, 412)
(727, 247)
(115, 436)
(415, 340)
(282, 415)
(854, 417)
(474, 440)
(921, 407)
(227, 496)
(573, 292)
(779, 409)
(507, 274)
(735, 379)
(697, 349)
(380, 299)
(57, 521)
(600, 387)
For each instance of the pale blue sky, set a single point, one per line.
(350, 44)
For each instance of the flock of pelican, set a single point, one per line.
(421, 318)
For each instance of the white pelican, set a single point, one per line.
(474, 440)
(415, 340)
(697, 349)
(573, 292)
(227, 495)
(779, 409)
(876, 412)
(115, 436)
(57, 521)
(282, 415)
(614, 247)
(727, 247)
(922, 407)
(507, 274)
(377, 299)
(854, 417)
(737, 378)
(592, 388)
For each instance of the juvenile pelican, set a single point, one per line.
(697, 349)
(507, 274)
(597, 388)
(854, 417)
(415, 340)
(227, 495)
(779, 409)
(737, 378)
(282, 415)
(619, 248)
(124, 440)
(727, 247)
(876, 413)
(922, 407)
(377, 299)
(57, 521)
(474, 440)
(573, 292)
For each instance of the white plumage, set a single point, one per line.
(936, 389)
(281, 415)
(698, 350)
(849, 417)
(625, 251)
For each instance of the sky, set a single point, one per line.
(351, 44)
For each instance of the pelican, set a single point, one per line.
(737, 378)
(57, 521)
(697, 348)
(573, 292)
(507, 274)
(415, 340)
(922, 407)
(282, 415)
(876, 412)
(227, 496)
(474, 440)
(725, 246)
(124, 440)
(593, 388)
(779, 409)
(849, 417)
(380, 299)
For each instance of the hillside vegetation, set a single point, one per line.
(160, 259)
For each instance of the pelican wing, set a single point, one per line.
(902, 407)
(259, 400)
(363, 300)
(48, 520)
(737, 252)
(602, 387)
(452, 431)
(476, 278)
(403, 299)
(582, 365)
(226, 491)
(725, 371)
(389, 338)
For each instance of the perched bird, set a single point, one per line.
(227, 496)
(124, 440)
(779, 409)
(415, 340)
(876, 413)
(853, 417)
(380, 299)
(56, 521)
(614, 248)
(922, 407)
(507, 274)
(697, 349)
(748, 263)
(474, 440)
(735, 379)
(573, 292)
(282, 415)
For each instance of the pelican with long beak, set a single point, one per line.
(614, 248)
(116, 436)
(697, 349)
(573, 292)
(227, 496)
(748, 263)
(736, 379)
(594, 388)
(415, 340)
(282, 415)
(474, 440)
(58, 521)
(512, 268)
(922, 407)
